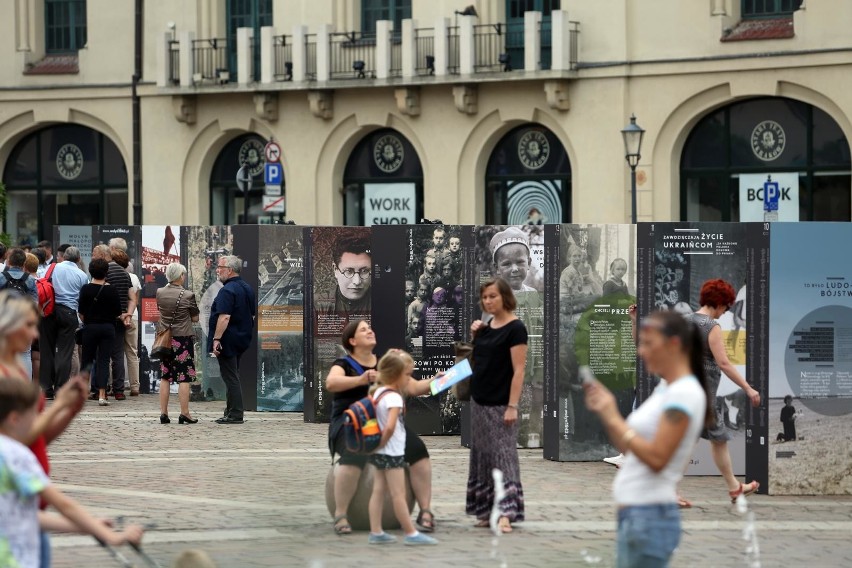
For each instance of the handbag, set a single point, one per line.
(464, 350)
(162, 348)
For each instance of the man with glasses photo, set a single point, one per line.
(231, 330)
(352, 271)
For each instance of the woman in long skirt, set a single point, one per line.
(499, 356)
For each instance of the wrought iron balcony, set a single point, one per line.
(210, 60)
(353, 55)
(424, 51)
(173, 56)
(283, 57)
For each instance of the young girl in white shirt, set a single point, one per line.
(657, 438)
(389, 459)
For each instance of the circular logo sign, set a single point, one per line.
(768, 140)
(533, 149)
(251, 154)
(69, 161)
(388, 153)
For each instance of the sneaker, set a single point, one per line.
(419, 539)
(119, 396)
(383, 538)
(617, 461)
(102, 402)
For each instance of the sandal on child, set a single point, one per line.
(744, 489)
(344, 528)
(426, 525)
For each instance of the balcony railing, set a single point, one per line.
(311, 57)
(173, 54)
(424, 51)
(395, 54)
(489, 44)
(353, 55)
(283, 55)
(454, 48)
(210, 59)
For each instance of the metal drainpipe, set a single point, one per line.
(136, 105)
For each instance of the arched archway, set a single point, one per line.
(383, 181)
(227, 203)
(528, 172)
(66, 174)
(734, 149)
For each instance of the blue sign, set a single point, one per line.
(273, 174)
(771, 195)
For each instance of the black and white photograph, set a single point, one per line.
(597, 285)
(515, 253)
(280, 313)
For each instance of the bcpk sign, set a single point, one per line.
(761, 193)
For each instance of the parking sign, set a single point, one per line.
(273, 174)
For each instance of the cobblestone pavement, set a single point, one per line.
(252, 495)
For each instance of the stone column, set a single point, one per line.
(383, 48)
(300, 60)
(532, 42)
(245, 56)
(267, 54)
(467, 50)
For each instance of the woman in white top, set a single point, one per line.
(657, 438)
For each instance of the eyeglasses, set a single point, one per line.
(350, 273)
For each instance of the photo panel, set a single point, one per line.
(280, 318)
(591, 286)
(810, 360)
(337, 280)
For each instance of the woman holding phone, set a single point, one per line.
(657, 438)
(499, 361)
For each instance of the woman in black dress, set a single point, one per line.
(349, 380)
(499, 357)
(99, 309)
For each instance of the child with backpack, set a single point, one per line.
(24, 481)
(389, 459)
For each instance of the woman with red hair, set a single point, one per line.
(717, 297)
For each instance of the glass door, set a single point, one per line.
(253, 14)
(515, 10)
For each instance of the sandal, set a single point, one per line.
(482, 524)
(426, 525)
(744, 489)
(505, 525)
(344, 528)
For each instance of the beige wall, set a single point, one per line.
(666, 86)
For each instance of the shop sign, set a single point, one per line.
(753, 193)
(390, 204)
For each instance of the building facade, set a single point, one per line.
(393, 110)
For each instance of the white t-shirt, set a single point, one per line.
(135, 285)
(636, 483)
(395, 445)
(21, 481)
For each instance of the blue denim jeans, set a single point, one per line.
(45, 550)
(647, 535)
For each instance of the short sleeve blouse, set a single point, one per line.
(492, 362)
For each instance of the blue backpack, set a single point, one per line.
(361, 430)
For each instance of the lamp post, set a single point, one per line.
(632, 135)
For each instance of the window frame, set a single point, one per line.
(75, 26)
(398, 10)
(776, 12)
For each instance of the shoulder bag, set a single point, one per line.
(162, 348)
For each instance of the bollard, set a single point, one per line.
(358, 513)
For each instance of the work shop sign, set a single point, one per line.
(753, 192)
(390, 204)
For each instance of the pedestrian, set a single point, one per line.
(56, 332)
(657, 438)
(31, 267)
(118, 278)
(21, 523)
(231, 331)
(716, 298)
(394, 371)
(18, 326)
(788, 419)
(3, 251)
(99, 309)
(15, 278)
(41, 258)
(47, 247)
(178, 310)
(349, 380)
(131, 333)
(499, 361)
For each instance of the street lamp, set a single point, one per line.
(632, 135)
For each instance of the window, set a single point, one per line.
(769, 8)
(253, 14)
(65, 25)
(762, 137)
(373, 11)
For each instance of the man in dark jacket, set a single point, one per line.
(231, 330)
